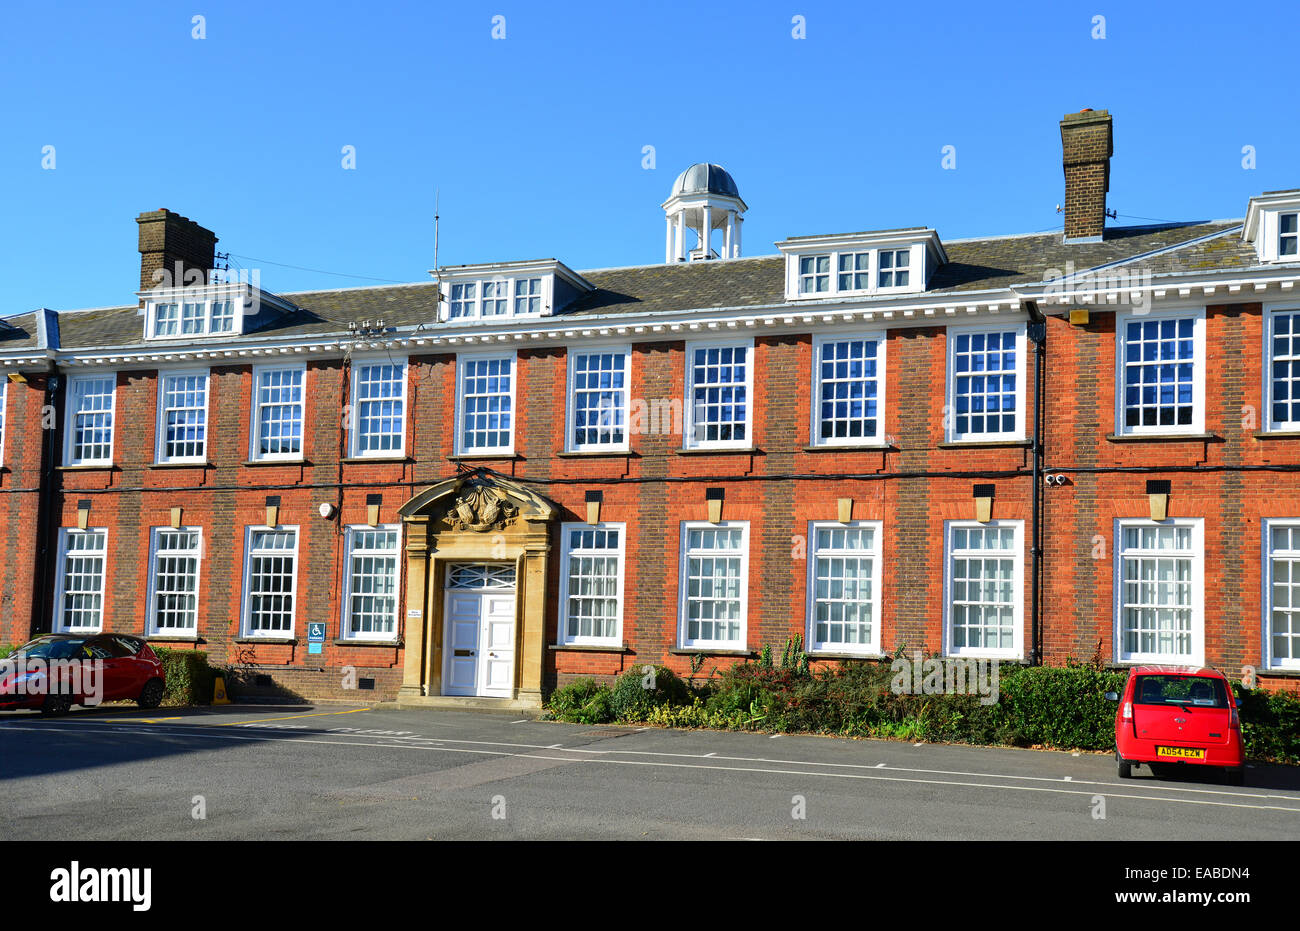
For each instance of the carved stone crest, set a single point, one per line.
(480, 509)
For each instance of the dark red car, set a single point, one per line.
(55, 671)
(1181, 715)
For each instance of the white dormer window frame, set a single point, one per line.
(505, 296)
(183, 316)
(1273, 226)
(860, 264)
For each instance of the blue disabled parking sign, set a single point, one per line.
(315, 637)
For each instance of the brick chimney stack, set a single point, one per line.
(1086, 148)
(171, 243)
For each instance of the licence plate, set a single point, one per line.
(1181, 753)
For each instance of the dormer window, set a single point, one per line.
(503, 292)
(861, 264)
(1273, 226)
(216, 309)
(192, 318)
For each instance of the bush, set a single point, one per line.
(582, 702)
(6, 649)
(1270, 724)
(1061, 706)
(189, 677)
(640, 689)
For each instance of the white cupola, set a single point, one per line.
(705, 200)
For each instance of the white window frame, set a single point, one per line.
(151, 609)
(65, 535)
(872, 647)
(571, 397)
(512, 295)
(688, 401)
(160, 432)
(1271, 313)
(70, 420)
(461, 369)
(1021, 331)
(246, 601)
(1017, 650)
(1270, 661)
(1294, 234)
(742, 642)
(1197, 575)
(815, 407)
(566, 552)
(354, 434)
(255, 453)
(349, 550)
(830, 273)
(916, 257)
(236, 316)
(1197, 426)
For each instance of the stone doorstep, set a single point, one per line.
(461, 703)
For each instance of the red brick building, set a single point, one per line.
(1029, 448)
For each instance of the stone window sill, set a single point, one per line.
(277, 462)
(589, 648)
(724, 451)
(705, 651)
(342, 642)
(279, 641)
(1163, 437)
(986, 444)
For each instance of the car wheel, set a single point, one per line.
(1125, 769)
(151, 695)
(1235, 777)
(56, 704)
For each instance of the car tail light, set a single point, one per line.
(1235, 722)
(1127, 713)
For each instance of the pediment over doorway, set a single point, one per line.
(478, 502)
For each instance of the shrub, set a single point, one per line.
(6, 649)
(1061, 706)
(640, 689)
(1270, 724)
(582, 702)
(189, 677)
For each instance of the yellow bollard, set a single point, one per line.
(219, 696)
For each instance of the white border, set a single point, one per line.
(459, 439)
(151, 613)
(254, 415)
(570, 395)
(1266, 604)
(345, 618)
(70, 425)
(950, 433)
(354, 384)
(876, 554)
(1122, 319)
(1017, 650)
(57, 625)
(815, 401)
(160, 426)
(245, 626)
(565, 552)
(688, 403)
(1197, 656)
(742, 643)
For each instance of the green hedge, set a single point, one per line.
(1061, 707)
(189, 677)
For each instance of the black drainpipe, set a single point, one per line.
(1038, 336)
(43, 602)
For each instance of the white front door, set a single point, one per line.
(479, 637)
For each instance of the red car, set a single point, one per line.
(1179, 715)
(54, 671)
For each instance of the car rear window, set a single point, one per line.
(1196, 691)
(53, 648)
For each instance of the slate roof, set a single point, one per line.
(974, 265)
(18, 332)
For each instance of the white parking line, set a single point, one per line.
(593, 759)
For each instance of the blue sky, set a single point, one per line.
(535, 140)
